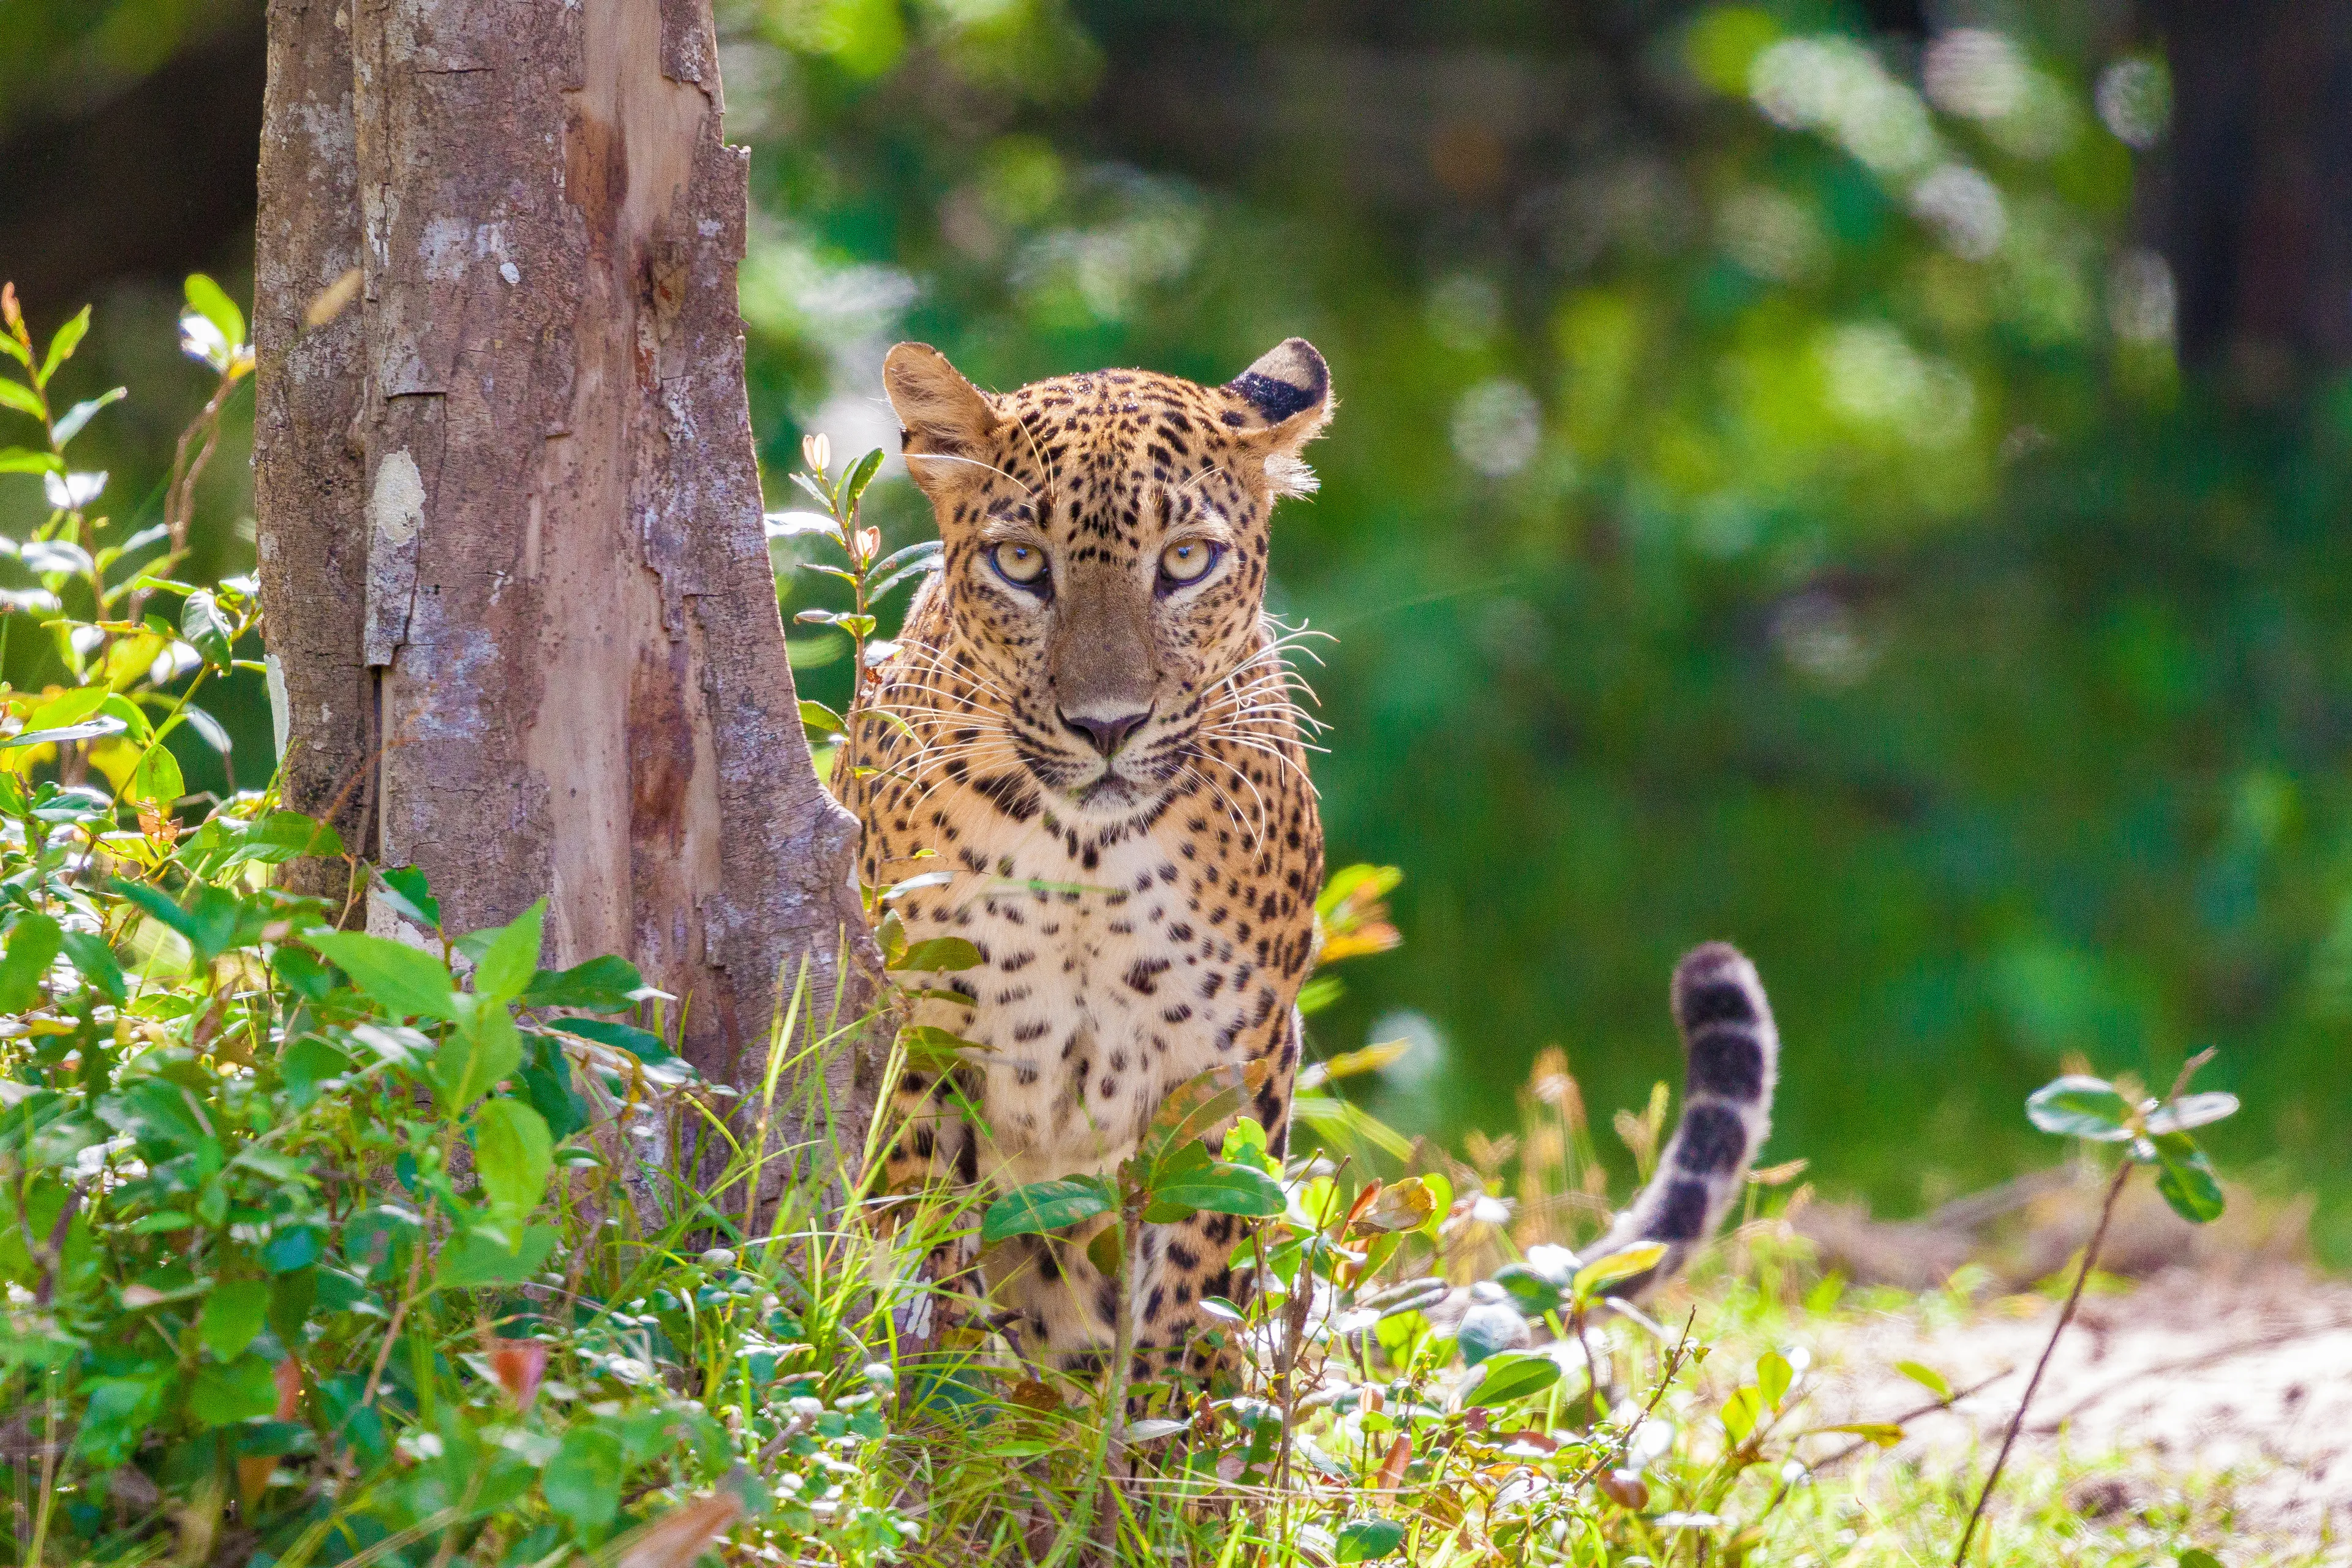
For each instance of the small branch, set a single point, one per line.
(2066, 1316)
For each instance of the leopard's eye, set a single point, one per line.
(1019, 562)
(1187, 560)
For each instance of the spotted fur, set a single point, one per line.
(1106, 763)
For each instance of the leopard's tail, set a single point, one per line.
(1733, 1055)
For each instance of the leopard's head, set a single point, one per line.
(1105, 555)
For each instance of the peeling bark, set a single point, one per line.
(551, 561)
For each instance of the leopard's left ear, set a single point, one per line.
(1280, 404)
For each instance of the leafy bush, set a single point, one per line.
(333, 1246)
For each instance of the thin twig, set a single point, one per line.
(2066, 1316)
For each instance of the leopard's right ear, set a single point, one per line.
(941, 415)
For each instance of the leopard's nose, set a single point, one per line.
(1106, 732)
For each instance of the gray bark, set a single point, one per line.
(555, 571)
(307, 475)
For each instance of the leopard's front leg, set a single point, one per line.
(1181, 1264)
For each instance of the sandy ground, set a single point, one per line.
(2193, 1371)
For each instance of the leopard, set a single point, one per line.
(1085, 755)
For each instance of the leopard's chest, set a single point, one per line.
(1102, 985)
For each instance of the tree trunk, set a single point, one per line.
(2252, 200)
(515, 486)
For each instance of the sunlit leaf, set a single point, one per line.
(1741, 1411)
(157, 777)
(1222, 1188)
(211, 301)
(406, 983)
(1927, 1377)
(930, 1049)
(513, 1154)
(2079, 1107)
(23, 460)
(511, 957)
(1509, 1376)
(34, 943)
(1602, 1272)
(2191, 1110)
(472, 1058)
(69, 423)
(68, 337)
(940, 954)
(16, 395)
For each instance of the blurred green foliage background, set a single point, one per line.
(1868, 482)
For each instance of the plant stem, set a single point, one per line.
(1114, 1416)
(2066, 1316)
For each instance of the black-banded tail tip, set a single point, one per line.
(1715, 984)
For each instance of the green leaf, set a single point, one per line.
(511, 955)
(62, 346)
(97, 963)
(1509, 1375)
(16, 395)
(308, 1064)
(205, 629)
(1529, 1291)
(641, 1044)
(233, 1315)
(1195, 1107)
(2191, 1110)
(471, 1059)
(86, 729)
(282, 836)
(940, 954)
(1927, 1377)
(2079, 1107)
(1773, 1377)
(1044, 1206)
(403, 888)
(224, 1396)
(474, 1258)
(213, 919)
(606, 984)
(513, 1154)
(547, 1079)
(2197, 1557)
(819, 718)
(1741, 1412)
(930, 1049)
(157, 777)
(34, 943)
(1603, 1272)
(583, 1483)
(289, 1249)
(208, 298)
(2185, 1179)
(1366, 1539)
(859, 477)
(405, 982)
(1221, 1188)
(24, 460)
(80, 414)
